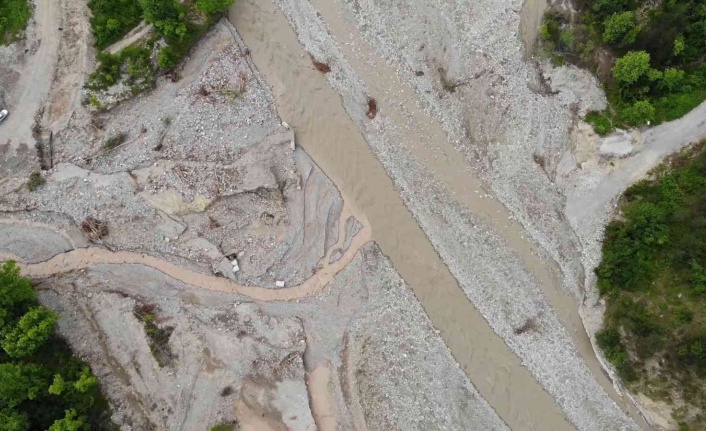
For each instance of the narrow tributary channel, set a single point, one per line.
(323, 128)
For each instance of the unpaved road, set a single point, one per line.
(35, 83)
(133, 36)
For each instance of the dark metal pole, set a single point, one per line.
(51, 150)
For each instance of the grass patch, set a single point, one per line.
(653, 276)
(112, 19)
(158, 336)
(36, 180)
(14, 15)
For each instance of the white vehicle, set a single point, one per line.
(3, 115)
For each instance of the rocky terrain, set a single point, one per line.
(340, 215)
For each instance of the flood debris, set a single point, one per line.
(321, 67)
(94, 228)
(372, 108)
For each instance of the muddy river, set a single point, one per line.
(306, 101)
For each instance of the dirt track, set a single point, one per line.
(35, 82)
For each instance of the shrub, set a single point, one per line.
(166, 58)
(672, 79)
(36, 180)
(638, 113)
(225, 426)
(600, 122)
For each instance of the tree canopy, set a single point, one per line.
(630, 68)
(42, 385)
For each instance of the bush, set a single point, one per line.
(166, 58)
(601, 123)
(639, 113)
(36, 180)
(114, 141)
(223, 427)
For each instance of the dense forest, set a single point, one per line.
(648, 54)
(42, 385)
(653, 276)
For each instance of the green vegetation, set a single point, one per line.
(131, 66)
(653, 276)
(178, 25)
(14, 15)
(36, 180)
(659, 50)
(42, 385)
(158, 336)
(112, 19)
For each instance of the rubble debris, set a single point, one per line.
(96, 229)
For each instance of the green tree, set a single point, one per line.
(620, 28)
(30, 333)
(20, 382)
(58, 385)
(70, 422)
(679, 46)
(631, 67)
(15, 291)
(672, 79)
(11, 420)
(86, 382)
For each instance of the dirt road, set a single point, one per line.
(35, 83)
